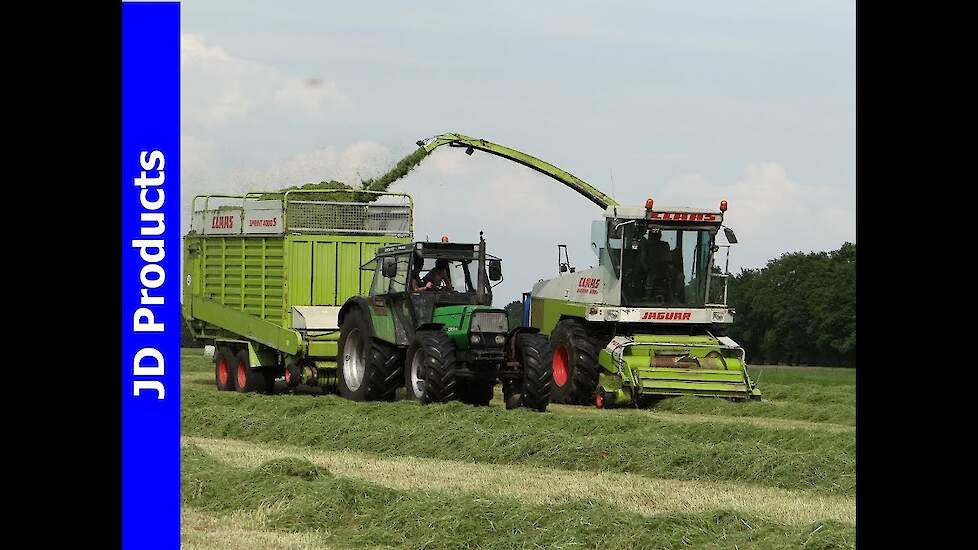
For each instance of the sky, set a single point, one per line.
(689, 103)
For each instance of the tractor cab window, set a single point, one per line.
(660, 266)
(445, 274)
(398, 283)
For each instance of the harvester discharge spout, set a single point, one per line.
(470, 144)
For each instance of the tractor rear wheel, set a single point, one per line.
(476, 392)
(246, 379)
(367, 369)
(224, 369)
(575, 364)
(429, 373)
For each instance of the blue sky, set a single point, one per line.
(687, 102)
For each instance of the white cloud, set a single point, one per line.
(770, 212)
(220, 90)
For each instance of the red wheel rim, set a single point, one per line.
(222, 372)
(560, 366)
(242, 375)
(599, 400)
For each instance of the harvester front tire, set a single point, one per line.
(224, 369)
(246, 379)
(429, 371)
(575, 364)
(367, 369)
(534, 391)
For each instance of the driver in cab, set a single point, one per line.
(436, 279)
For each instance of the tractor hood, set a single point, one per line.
(457, 318)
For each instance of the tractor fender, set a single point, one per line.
(431, 326)
(356, 303)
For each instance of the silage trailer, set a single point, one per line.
(265, 276)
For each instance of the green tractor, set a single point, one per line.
(427, 324)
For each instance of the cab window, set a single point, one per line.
(398, 283)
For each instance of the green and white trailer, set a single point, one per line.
(266, 274)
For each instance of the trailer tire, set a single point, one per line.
(476, 392)
(246, 379)
(429, 371)
(370, 370)
(536, 357)
(224, 369)
(293, 374)
(575, 364)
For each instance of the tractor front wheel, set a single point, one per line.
(536, 387)
(429, 373)
(575, 364)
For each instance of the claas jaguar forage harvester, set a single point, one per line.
(650, 319)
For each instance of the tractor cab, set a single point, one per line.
(430, 274)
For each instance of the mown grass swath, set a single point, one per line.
(791, 459)
(548, 486)
(300, 497)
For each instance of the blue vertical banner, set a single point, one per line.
(151, 275)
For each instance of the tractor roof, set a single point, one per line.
(428, 246)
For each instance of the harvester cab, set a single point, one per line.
(428, 323)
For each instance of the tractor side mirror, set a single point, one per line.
(388, 267)
(495, 270)
(731, 236)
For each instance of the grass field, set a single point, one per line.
(303, 470)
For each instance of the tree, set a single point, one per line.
(799, 308)
(514, 311)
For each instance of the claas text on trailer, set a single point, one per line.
(148, 361)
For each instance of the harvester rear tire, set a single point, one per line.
(576, 355)
(224, 369)
(435, 368)
(536, 358)
(476, 392)
(246, 379)
(381, 363)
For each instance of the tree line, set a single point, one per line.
(798, 309)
